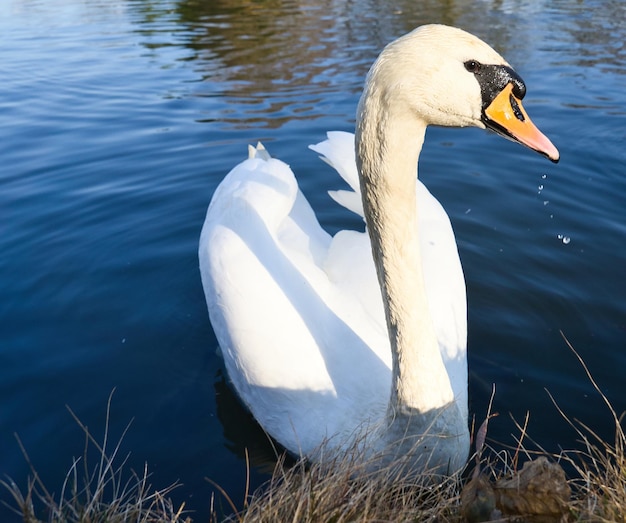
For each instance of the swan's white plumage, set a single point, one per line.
(298, 313)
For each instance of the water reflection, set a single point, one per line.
(277, 61)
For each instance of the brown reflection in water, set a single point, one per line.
(272, 61)
(263, 63)
(277, 60)
(280, 39)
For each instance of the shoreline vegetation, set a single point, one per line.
(512, 485)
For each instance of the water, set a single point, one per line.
(119, 118)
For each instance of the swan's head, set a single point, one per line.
(444, 76)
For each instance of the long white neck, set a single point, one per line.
(388, 144)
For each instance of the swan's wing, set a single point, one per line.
(289, 336)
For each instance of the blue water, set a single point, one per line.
(119, 118)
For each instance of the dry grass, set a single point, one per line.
(506, 485)
(346, 490)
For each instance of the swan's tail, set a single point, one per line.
(338, 152)
(258, 152)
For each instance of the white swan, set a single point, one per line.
(310, 346)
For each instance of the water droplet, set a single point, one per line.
(468, 211)
(540, 187)
(546, 202)
(544, 176)
(566, 239)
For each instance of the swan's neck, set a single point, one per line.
(388, 144)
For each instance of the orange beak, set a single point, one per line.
(506, 116)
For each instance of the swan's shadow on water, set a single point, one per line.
(244, 436)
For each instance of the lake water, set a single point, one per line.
(119, 118)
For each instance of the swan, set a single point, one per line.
(360, 338)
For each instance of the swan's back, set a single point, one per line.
(298, 315)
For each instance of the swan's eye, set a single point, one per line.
(472, 66)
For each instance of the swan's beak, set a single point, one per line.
(506, 116)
